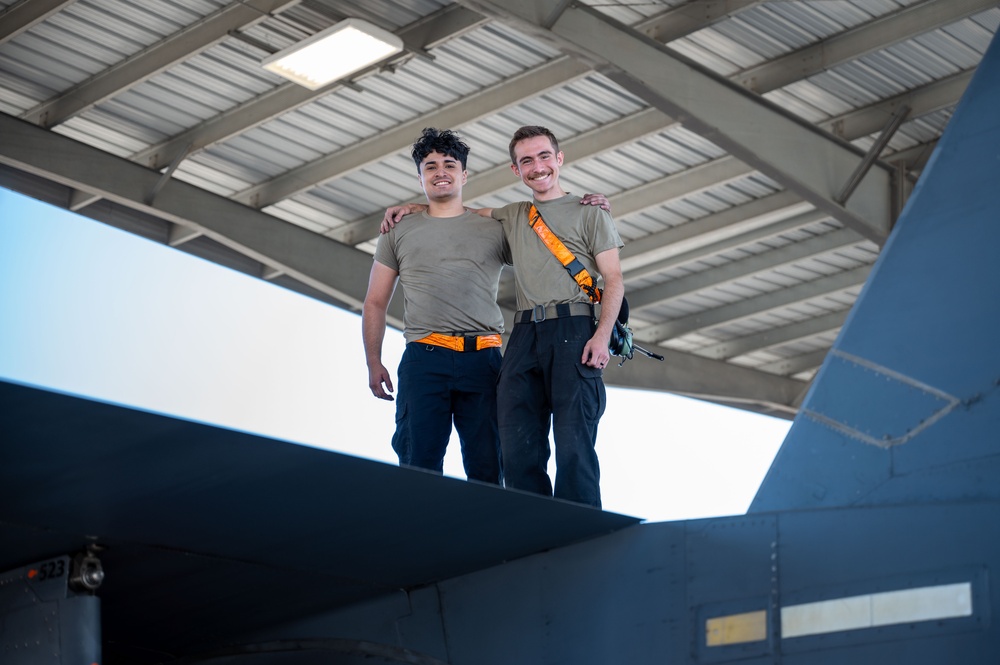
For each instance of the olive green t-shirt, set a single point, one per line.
(449, 268)
(540, 278)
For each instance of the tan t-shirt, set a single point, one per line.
(540, 278)
(449, 268)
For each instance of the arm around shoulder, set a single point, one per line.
(394, 214)
(482, 212)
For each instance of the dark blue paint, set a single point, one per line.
(917, 363)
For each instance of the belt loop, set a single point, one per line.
(470, 343)
(538, 313)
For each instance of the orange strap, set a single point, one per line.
(458, 343)
(564, 256)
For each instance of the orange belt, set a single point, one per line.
(460, 343)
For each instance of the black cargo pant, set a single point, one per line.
(542, 380)
(438, 387)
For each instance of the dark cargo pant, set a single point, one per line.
(543, 380)
(436, 387)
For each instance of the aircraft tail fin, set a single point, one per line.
(906, 406)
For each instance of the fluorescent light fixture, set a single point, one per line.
(334, 53)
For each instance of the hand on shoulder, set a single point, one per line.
(396, 213)
(599, 200)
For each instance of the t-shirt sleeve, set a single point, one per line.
(604, 232)
(507, 212)
(385, 250)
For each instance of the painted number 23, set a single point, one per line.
(51, 569)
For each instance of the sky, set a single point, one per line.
(90, 310)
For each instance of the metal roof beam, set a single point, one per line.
(678, 185)
(795, 364)
(873, 36)
(181, 233)
(690, 17)
(853, 125)
(775, 336)
(469, 109)
(419, 35)
(325, 265)
(81, 199)
(794, 153)
(755, 234)
(24, 15)
(438, 27)
(921, 101)
(738, 269)
(915, 157)
(144, 65)
(314, 173)
(750, 307)
(643, 256)
(690, 375)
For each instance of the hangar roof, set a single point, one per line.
(756, 153)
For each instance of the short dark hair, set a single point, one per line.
(530, 132)
(443, 141)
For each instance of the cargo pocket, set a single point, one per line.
(401, 437)
(592, 387)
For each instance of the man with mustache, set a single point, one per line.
(553, 365)
(554, 361)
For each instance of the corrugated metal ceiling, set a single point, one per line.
(725, 266)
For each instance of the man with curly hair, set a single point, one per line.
(448, 261)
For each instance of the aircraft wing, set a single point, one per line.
(212, 533)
